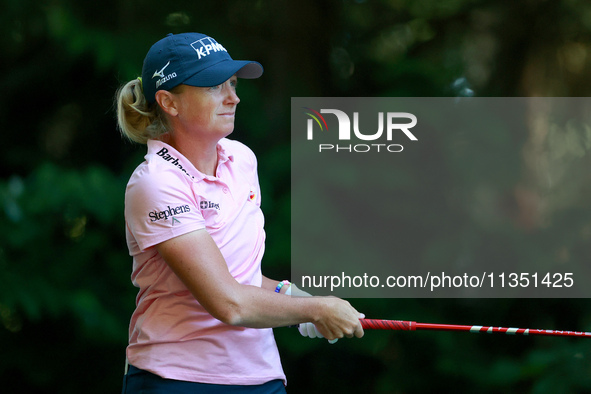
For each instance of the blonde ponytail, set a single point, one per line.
(138, 120)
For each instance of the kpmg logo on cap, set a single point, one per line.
(206, 46)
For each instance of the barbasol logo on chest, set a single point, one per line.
(163, 153)
(207, 46)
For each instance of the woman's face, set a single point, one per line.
(209, 110)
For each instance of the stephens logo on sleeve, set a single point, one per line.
(168, 213)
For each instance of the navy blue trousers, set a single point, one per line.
(138, 381)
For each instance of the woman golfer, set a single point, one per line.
(195, 230)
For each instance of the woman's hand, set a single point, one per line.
(308, 329)
(338, 319)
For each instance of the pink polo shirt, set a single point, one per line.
(170, 333)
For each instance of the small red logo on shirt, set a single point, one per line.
(252, 195)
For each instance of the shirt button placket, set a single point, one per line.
(226, 190)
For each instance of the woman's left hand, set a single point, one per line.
(306, 329)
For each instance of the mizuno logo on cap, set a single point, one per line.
(207, 45)
(161, 72)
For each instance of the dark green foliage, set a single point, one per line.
(65, 297)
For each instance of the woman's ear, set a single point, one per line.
(168, 102)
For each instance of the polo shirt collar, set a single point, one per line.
(223, 155)
(163, 151)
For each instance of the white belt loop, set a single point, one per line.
(126, 366)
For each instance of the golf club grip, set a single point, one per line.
(377, 324)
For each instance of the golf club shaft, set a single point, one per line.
(376, 324)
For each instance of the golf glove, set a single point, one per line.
(308, 329)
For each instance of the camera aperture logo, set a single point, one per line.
(392, 128)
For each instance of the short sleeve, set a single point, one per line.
(160, 205)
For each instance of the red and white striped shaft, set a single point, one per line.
(375, 324)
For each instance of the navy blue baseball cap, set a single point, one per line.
(192, 59)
